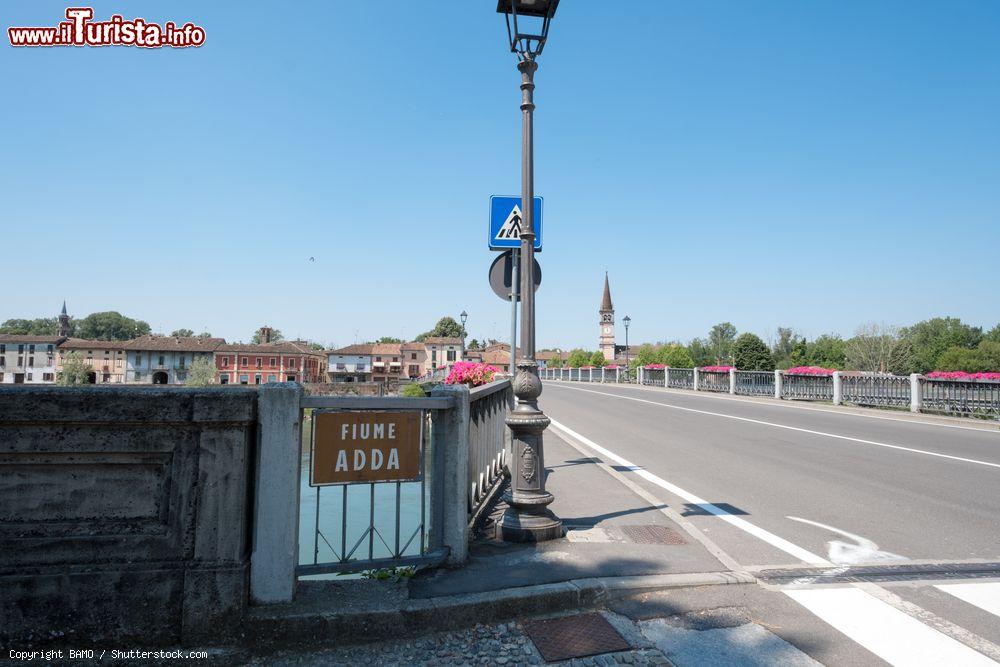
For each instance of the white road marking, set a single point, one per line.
(892, 635)
(985, 595)
(744, 525)
(844, 553)
(792, 428)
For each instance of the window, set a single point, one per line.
(20, 349)
(48, 377)
(291, 363)
(225, 361)
(378, 358)
(3, 361)
(118, 363)
(162, 360)
(414, 370)
(180, 365)
(362, 368)
(341, 367)
(28, 375)
(291, 378)
(244, 363)
(138, 360)
(20, 361)
(273, 362)
(434, 355)
(451, 355)
(272, 378)
(3, 348)
(31, 349)
(256, 378)
(137, 376)
(224, 378)
(31, 361)
(413, 355)
(244, 379)
(258, 362)
(49, 349)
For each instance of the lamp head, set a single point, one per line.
(527, 37)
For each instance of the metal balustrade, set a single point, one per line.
(755, 383)
(680, 378)
(807, 387)
(876, 391)
(965, 398)
(713, 381)
(489, 439)
(653, 377)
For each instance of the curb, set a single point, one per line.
(273, 628)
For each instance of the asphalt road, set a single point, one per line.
(893, 487)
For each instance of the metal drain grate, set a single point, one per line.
(574, 637)
(879, 573)
(652, 534)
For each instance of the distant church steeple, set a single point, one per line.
(607, 323)
(63, 321)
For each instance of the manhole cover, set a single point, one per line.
(652, 534)
(574, 637)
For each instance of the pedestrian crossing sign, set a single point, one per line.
(506, 222)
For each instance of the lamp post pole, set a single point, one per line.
(528, 518)
(628, 369)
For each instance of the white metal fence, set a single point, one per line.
(964, 398)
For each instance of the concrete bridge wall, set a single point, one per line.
(124, 512)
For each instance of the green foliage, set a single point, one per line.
(675, 355)
(74, 370)
(700, 353)
(578, 358)
(42, 326)
(389, 339)
(993, 334)
(930, 338)
(389, 573)
(473, 344)
(828, 351)
(276, 335)
(720, 341)
(751, 354)
(204, 334)
(446, 327)
(201, 373)
(646, 354)
(597, 359)
(985, 358)
(785, 346)
(111, 325)
(413, 390)
(877, 348)
(182, 333)
(555, 362)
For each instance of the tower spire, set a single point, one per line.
(63, 321)
(606, 301)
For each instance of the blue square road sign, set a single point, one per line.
(506, 221)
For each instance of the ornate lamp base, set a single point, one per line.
(528, 518)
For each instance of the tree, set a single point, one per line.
(446, 327)
(388, 339)
(675, 355)
(111, 325)
(473, 344)
(993, 334)
(276, 335)
(827, 351)
(699, 352)
(74, 370)
(597, 359)
(578, 358)
(751, 354)
(646, 354)
(182, 333)
(42, 326)
(784, 346)
(932, 337)
(201, 373)
(413, 390)
(877, 348)
(555, 362)
(720, 341)
(204, 334)
(984, 359)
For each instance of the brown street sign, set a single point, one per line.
(365, 446)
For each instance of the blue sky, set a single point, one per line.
(785, 163)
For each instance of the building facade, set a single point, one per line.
(414, 359)
(607, 323)
(387, 362)
(165, 359)
(350, 364)
(106, 359)
(442, 351)
(26, 359)
(284, 361)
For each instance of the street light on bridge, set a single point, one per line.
(627, 321)
(464, 316)
(527, 518)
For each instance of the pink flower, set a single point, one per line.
(809, 370)
(471, 373)
(655, 367)
(716, 369)
(962, 375)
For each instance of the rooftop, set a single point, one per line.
(26, 338)
(358, 349)
(174, 344)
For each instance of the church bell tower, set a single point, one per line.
(63, 322)
(607, 323)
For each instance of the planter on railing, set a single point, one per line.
(755, 383)
(971, 397)
(807, 383)
(713, 380)
(680, 378)
(876, 390)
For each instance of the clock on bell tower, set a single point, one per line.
(607, 323)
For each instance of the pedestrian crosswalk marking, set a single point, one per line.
(511, 228)
(892, 635)
(985, 595)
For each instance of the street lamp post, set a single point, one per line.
(527, 518)
(464, 316)
(628, 369)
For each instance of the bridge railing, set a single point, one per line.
(961, 397)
